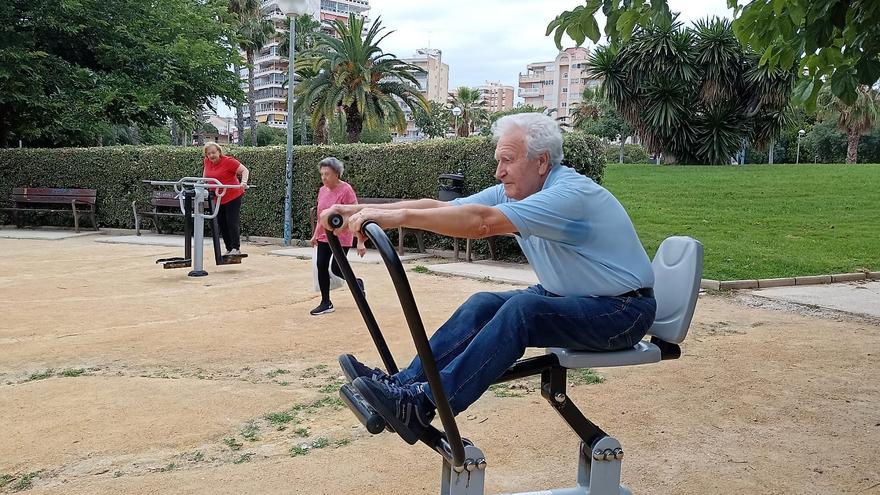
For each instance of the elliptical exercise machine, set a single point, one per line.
(677, 267)
(195, 193)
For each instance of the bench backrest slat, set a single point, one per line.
(53, 196)
(165, 199)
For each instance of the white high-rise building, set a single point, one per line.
(557, 84)
(433, 84)
(270, 68)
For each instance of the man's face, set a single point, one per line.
(520, 175)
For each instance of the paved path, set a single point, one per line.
(148, 240)
(862, 298)
(372, 256)
(43, 235)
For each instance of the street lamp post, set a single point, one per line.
(456, 111)
(291, 8)
(797, 159)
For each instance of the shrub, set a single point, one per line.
(632, 153)
(394, 170)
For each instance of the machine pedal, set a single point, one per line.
(232, 259)
(364, 413)
(175, 263)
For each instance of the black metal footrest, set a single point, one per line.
(232, 259)
(364, 413)
(175, 262)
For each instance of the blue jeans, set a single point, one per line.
(491, 330)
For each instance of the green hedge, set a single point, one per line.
(395, 170)
(632, 153)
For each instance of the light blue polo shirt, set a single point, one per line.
(576, 235)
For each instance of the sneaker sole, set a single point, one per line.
(390, 418)
(326, 311)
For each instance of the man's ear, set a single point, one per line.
(544, 164)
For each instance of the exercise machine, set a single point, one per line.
(677, 268)
(199, 201)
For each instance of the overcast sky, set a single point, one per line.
(488, 39)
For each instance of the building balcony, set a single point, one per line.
(529, 92)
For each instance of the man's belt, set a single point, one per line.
(643, 292)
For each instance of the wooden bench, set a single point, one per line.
(39, 199)
(493, 250)
(401, 231)
(162, 204)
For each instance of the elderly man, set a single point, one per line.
(595, 290)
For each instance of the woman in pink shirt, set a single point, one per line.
(333, 192)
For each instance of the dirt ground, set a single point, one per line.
(119, 377)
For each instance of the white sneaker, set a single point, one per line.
(233, 252)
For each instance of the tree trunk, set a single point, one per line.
(252, 106)
(175, 133)
(239, 113)
(354, 124)
(319, 133)
(852, 147)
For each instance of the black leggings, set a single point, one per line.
(323, 262)
(228, 220)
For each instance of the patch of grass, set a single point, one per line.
(6, 479)
(197, 456)
(420, 269)
(279, 371)
(584, 376)
(232, 443)
(320, 443)
(249, 432)
(301, 432)
(758, 221)
(326, 401)
(117, 474)
(284, 384)
(298, 450)
(170, 467)
(314, 371)
(25, 481)
(73, 372)
(41, 375)
(342, 442)
(279, 419)
(246, 457)
(331, 387)
(506, 390)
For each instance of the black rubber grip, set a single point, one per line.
(336, 220)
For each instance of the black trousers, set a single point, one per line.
(228, 219)
(323, 263)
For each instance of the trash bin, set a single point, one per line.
(451, 187)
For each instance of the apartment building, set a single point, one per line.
(434, 83)
(557, 84)
(496, 96)
(270, 68)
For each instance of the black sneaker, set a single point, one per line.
(353, 369)
(322, 309)
(360, 282)
(408, 412)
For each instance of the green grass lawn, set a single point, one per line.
(759, 221)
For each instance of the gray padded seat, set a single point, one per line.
(678, 268)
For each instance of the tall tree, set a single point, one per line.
(855, 119)
(830, 41)
(355, 76)
(470, 102)
(71, 70)
(253, 32)
(434, 121)
(693, 93)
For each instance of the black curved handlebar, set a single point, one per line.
(414, 321)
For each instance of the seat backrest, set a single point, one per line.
(678, 268)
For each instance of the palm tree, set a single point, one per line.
(693, 94)
(470, 102)
(589, 108)
(855, 120)
(356, 77)
(253, 31)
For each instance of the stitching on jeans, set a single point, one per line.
(625, 332)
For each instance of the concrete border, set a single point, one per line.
(765, 283)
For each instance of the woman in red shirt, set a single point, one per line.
(334, 191)
(227, 170)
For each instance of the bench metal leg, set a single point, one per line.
(420, 238)
(455, 248)
(137, 220)
(400, 241)
(75, 217)
(92, 214)
(467, 251)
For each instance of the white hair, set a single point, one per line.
(542, 134)
(333, 163)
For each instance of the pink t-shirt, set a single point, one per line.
(342, 194)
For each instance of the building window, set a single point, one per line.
(565, 90)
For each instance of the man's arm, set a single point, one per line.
(468, 221)
(348, 210)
